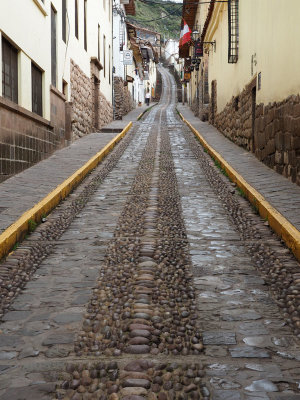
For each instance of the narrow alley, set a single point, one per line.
(155, 279)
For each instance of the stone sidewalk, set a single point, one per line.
(276, 189)
(119, 125)
(24, 190)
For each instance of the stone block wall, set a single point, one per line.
(105, 111)
(195, 106)
(201, 106)
(275, 136)
(25, 139)
(122, 97)
(235, 121)
(91, 110)
(58, 114)
(82, 101)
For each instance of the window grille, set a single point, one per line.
(37, 90)
(9, 71)
(206, 86)
(233, 31)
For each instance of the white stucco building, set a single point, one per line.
(56, 58)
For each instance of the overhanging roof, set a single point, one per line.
(189, 11)
(130, 8)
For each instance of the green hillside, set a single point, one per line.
(163, 17)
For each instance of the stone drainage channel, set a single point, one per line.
(177, 308)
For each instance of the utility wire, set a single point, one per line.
(187, 2)
(181, 4)
(166, 16)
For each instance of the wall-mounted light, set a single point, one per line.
(214, 44)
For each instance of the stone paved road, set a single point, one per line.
(158, 289)
(277, 190)
(21, 192)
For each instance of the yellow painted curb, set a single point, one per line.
(277, 222)
(16, 232)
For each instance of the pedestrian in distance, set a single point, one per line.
(148, 95)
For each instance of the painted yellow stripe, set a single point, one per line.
(18, 229)
(277, 221)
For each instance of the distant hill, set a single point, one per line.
(150, 13)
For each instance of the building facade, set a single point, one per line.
(146, 57)
(56, 59)
(252, 82)
(125, 94)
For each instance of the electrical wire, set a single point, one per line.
(187, 2)
(181, 5)
(160, 18)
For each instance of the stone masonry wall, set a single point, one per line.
(105, 112)
(25, 139)
(235, 121)
(201, 106)
(91, 110)
(123, 99)
(275, 139)
(277, 136)
(82, 100)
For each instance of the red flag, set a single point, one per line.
(185, 34)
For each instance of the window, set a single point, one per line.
(65, 88)
(233, 31)
(9, 71)
(121, 35)
(99, 42)
(64, 20)
(85, 26)
(76, 19)
(104, 57)
(53, 46)
(109, 66)
(37, 90)
(206, 86)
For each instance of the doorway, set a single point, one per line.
(213, 100)
(252, 144)
(96, 92)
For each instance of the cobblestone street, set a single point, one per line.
(155, 279)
